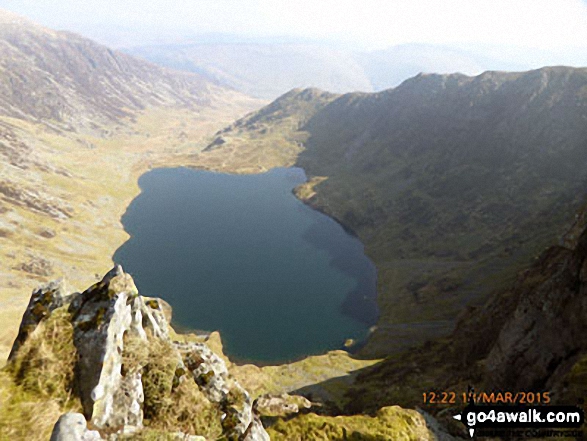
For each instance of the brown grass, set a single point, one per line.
(36, 388)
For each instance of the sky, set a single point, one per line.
(554, 25)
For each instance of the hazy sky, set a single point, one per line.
(549, 24)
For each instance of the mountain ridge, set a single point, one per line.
(60, 76)
(333, 66)
(448, 180)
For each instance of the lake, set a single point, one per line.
(242, 255)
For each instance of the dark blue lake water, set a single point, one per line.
(241, 255)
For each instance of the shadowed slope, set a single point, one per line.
(452, 182)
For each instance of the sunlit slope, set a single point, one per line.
(60, 77)
(78, 124)
(452, 182)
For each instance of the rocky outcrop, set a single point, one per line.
(280, 405)
(546, 331)
(103, 317)
(37, 266)
(113, 330)
(528, 337)
(35, 200)
(210, 373)
(44, 300)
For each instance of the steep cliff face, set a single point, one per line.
(530, 336)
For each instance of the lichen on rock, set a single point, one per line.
(209, 371)
(44, 300)
(124, 364)
(102, 317)
(280, 405)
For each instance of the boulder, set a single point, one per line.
(73, 427)
(280, 405)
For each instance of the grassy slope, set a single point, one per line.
(98, 184)
(78, 124)
(452, 182)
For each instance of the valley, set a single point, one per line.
(461, 189)
(453, 183)
(69, 171)
(40, 243)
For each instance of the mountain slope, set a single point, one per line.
(527, 337)
(452, 182)
(65, 78)
(264, 70)
(78, 124)
(267, 69)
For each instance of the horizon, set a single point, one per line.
(525, 34)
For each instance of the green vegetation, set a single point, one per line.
(45, 363)
(185, 409)
(37, 387)
(24, 415)
(265, 139)
(173, 401)
(389, 423)
(573, 386)
(453, 183)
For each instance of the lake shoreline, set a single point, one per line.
(271, 244)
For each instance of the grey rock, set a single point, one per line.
(280, 405)
(208, 370)
(256, 431)
(44, 300)
(155, 317)
(110, 322)
(73, 427)
(103, 317)
(210, 373)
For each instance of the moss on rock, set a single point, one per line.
(44, 364)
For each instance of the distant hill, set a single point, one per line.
(62, 77)
(390, 67)
(452, 182)
(264, 70)
(268, 69)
